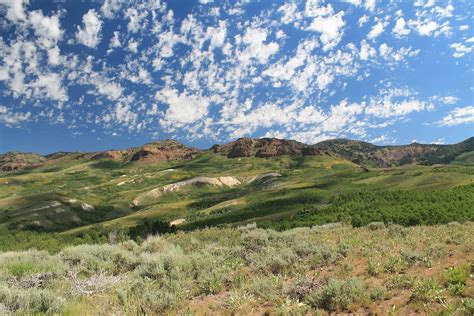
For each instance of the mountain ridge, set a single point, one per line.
(359, 152)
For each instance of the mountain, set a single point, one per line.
(264, 147)
(385, 156)
(359, 152)
(149, 153)
(13, 161)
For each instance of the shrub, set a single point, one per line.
(267, 288)
(395, 230)
(427, 291)
(211, 282)
(376, 225)
(338, 295)
(30, 300)
(237, 300)
(275, 261)
(374, 267)
(468, 306)
(455, 279)
(29, 263)
(302, 286)
(90, 259)
(399, 281)
(377, 293)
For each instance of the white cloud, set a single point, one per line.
(366, 51)
(387, 106)
(376, 30)
(115, 40)
(136, 19)
(182, 108)
(110, 8)
(132, 46)
(460, 49)
(464, 27)
(54, 56)
(363, 19)
(90, 34)
(15, 10)
(384, 49)
(12, 119)
(254, 38)
(458, 116)
(400, 28)
(49, 86)
(290, 12)
(370, 5)
(331, 28)
(47, 28)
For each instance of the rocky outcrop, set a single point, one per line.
(264, 147)
(228, 181)
(163, 150)
(15, 161)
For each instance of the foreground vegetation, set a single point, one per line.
(331, 268)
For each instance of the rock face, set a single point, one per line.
(386, 156)
(356, 151)
(149, 153)
(14, 161)
(264, 147)
(164, 150)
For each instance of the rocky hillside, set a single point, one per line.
(359, 152)
(386, 156)
(356, 151)
(264, 147)
(13, 161)
(148, 153)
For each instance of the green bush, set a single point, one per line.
(338, 295)
(30, 300)
(427, 291)
(455, 279)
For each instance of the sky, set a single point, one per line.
(95, 75)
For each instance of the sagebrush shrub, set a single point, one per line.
(338, 295)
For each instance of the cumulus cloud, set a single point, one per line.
(49, 86)
(12, 119)
(330, 25)
(46, 28)
(254, 39)
(182, 108)
(400, 28)
(89, 35)
(15, 9)
(376, 30)
(460, 49)
(458, 116)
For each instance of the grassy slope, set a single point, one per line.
(307, 184)
(374, 269)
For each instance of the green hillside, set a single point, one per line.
(73, 194)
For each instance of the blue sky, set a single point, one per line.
(87, 75)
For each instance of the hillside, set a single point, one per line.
(361, 153)
(72, 192)
(385, 156)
